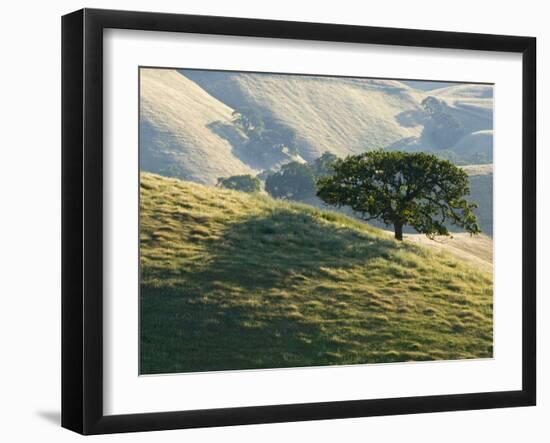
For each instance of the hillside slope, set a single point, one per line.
(481, 192)
(234, 281)
(187, 127)
(346, 115)
(476, 250)
(340, 115)
(178, 136)
(472, 104)
(478, 143)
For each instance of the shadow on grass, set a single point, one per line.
(265, 252)
(181, 333)
(411, 118)
(239, 309)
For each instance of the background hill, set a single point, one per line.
(340, 115)
(216, 294)
(188, 126)
(481, 192)
(176, 138)
(476, 250)
(424, 85)
(351, 115)
(475, 144)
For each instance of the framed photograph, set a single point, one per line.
(269, 221)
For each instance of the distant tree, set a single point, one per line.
(294, 181)
(323, 165)
(442, 127)
(453, 157)
(480, 158)
(244, 183)
(249, 120)
(269, 141)
(432, 105)
(279, 136)
(399, 188)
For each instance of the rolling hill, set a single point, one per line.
(187, 126)
(471, 104)
(349, 115)
(476, 143)
(476, 250)
(233, 281)
(481, 192)
(340, 115)
(176, 135)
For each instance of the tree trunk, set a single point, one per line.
(398, 227)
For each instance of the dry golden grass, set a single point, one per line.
(476, 250)
(174, 128)
(344, 116)
(186, 127)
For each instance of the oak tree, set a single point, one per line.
(294, 181)
(399, 188)
(244, 183)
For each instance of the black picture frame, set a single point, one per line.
(82, 218)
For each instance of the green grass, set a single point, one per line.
(236, 281)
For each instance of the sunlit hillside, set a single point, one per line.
(188, 128)
(176, 129)
(234, 281)
(340, 115)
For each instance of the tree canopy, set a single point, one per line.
(294, 181)
(244, 183)
(249, 119)
(268, 140)
(322, 165)
(399, 188)
(442, 127)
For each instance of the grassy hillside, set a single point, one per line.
(478, 143)
(349, 116)
(476, 250)
(178, 135)
(468, 90)
(232, 281)
(343, 116)
(472, 104)
(187, 128)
